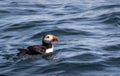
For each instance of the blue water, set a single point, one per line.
(88, 31)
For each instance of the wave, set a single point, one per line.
(115, 47)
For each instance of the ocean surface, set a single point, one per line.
(88, 31)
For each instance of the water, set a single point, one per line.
(88, 31)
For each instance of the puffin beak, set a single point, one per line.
(55, 38)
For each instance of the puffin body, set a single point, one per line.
(46, 46)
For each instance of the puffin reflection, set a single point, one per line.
(49, 56)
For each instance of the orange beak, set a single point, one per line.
(55, 38)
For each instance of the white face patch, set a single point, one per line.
(48, 38)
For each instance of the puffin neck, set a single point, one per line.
(47, 45)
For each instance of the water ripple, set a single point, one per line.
(88, 32)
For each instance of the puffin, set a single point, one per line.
(45, 48)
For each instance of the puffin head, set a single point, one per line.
(50, 38)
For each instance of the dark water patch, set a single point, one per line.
(57, 14)
(31, 5)
(72, 7)
(4, 75)
(6, 37)
(21, 11)
(109, 18)
(71, 20)
(113, 18)
(49, 5)
(115, 47)
(3, 65)
(114, 35)
(3, 11)
(39, 5)
(113, 61)
(18, 27)
(42, 22)
(107, 6)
